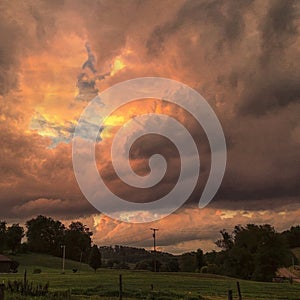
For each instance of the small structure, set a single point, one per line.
(5, 264)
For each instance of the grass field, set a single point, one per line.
(104, 284)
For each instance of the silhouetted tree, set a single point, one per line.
(95, 258)
(188, 262)
(293, 236)
(253, 252)
(226, 242)
(45, 235)
(78, 241)
(2, 235)
(272, 252)
(14, 235)
(148, 265)
(170, 266)
(200, 259)
(210, 257)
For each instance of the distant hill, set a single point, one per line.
(131, 254)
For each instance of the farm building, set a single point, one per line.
(5, 264)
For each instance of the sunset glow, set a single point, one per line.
(118, 65)
(57, 56)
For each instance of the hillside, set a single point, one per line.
(168, 286)
(46, 263)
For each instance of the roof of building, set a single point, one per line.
(3, 258)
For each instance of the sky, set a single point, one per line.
(241, 56)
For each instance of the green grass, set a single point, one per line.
(46, 263)
(104, 283)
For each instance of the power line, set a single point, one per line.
(196, 230)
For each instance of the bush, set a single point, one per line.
(109, 263)
(204, 269)
(24, 248)
(25, 288)
(37, 271)
(213, 269)
(148, 265)
(14, 266)
(122, 265)
(170, 266)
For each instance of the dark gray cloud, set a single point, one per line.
(256, 45)
(241, 55)
(226, 20)
(9, 35)
(279, 29)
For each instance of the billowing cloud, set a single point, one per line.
(189, 229)
(241, 56)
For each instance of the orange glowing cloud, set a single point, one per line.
(241, 68)
(117, 66)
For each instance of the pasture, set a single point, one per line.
(86, 284)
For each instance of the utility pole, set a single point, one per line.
(63, 258)
(80, 261)
(154, 245)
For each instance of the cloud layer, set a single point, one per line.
(242, 56)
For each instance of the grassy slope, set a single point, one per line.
(172, 285)
(46, 263)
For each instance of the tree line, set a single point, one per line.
(251, 252)
(10, 237)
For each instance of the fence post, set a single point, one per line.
(2, 287)
(69, 294)
(239, 290)
(25, 282)
(120, 287)
(229, 294)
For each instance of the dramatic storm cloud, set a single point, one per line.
(242, 56)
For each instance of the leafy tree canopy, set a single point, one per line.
(95, 258)
(253, 252)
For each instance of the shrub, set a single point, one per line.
(25, 288)
(37, 271)
(213, 269)
(14, 266)
(121, 265)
